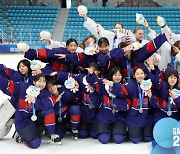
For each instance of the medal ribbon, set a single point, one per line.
(141, 97)
(60, 108)
(169, 104)
(128, 63)
(34, 110)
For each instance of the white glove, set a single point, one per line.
(23, 47)
(45, 35)
(161, 21)
(82, 10)
(139, 18)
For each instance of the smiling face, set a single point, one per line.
(53, 89)
(117, 77)
(139, 34)
(104, 48)
(172, 80)
(72, 47)
(139, 75)
(41, 83)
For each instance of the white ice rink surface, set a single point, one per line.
(69, 146)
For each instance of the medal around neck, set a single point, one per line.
(113, 111)
(169, 113)
(91, 106)
(33, 117)
(141, 110)
(59, 119)
(82, 10)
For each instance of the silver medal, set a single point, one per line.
(113, 111)
(33, 117)
(141, 110)
(59, 119)
(169, 113)
(91, 106)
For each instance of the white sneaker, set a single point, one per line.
(23, 47)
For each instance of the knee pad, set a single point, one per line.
(118, 138)
(104, 138)
(148, 139)
(83, 133)
(35, 143)
(135, 140)
(74, 110)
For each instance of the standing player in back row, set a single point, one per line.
(114, 37)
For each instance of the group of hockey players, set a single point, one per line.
(112, 89)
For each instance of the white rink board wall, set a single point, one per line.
(11, 60)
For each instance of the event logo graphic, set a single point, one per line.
(166, 134)
(176, 137)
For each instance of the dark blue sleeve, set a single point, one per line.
(45, 103)
(149, 48)
(121, 103)
(47, 70)
(10, 73)
(62, 76)
(45, 55)
(103, 60)
(177, 101)
(2, 71)
(117, 53)
(3, 84)
(154, 76)
(119, 90)
(31, 54)
(153, 102)
(73, 59)
(10, 87)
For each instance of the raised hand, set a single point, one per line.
(53, 74)
(30, 99)
(59, 97)
(90, 70)
(36, 72)
(107, 82)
